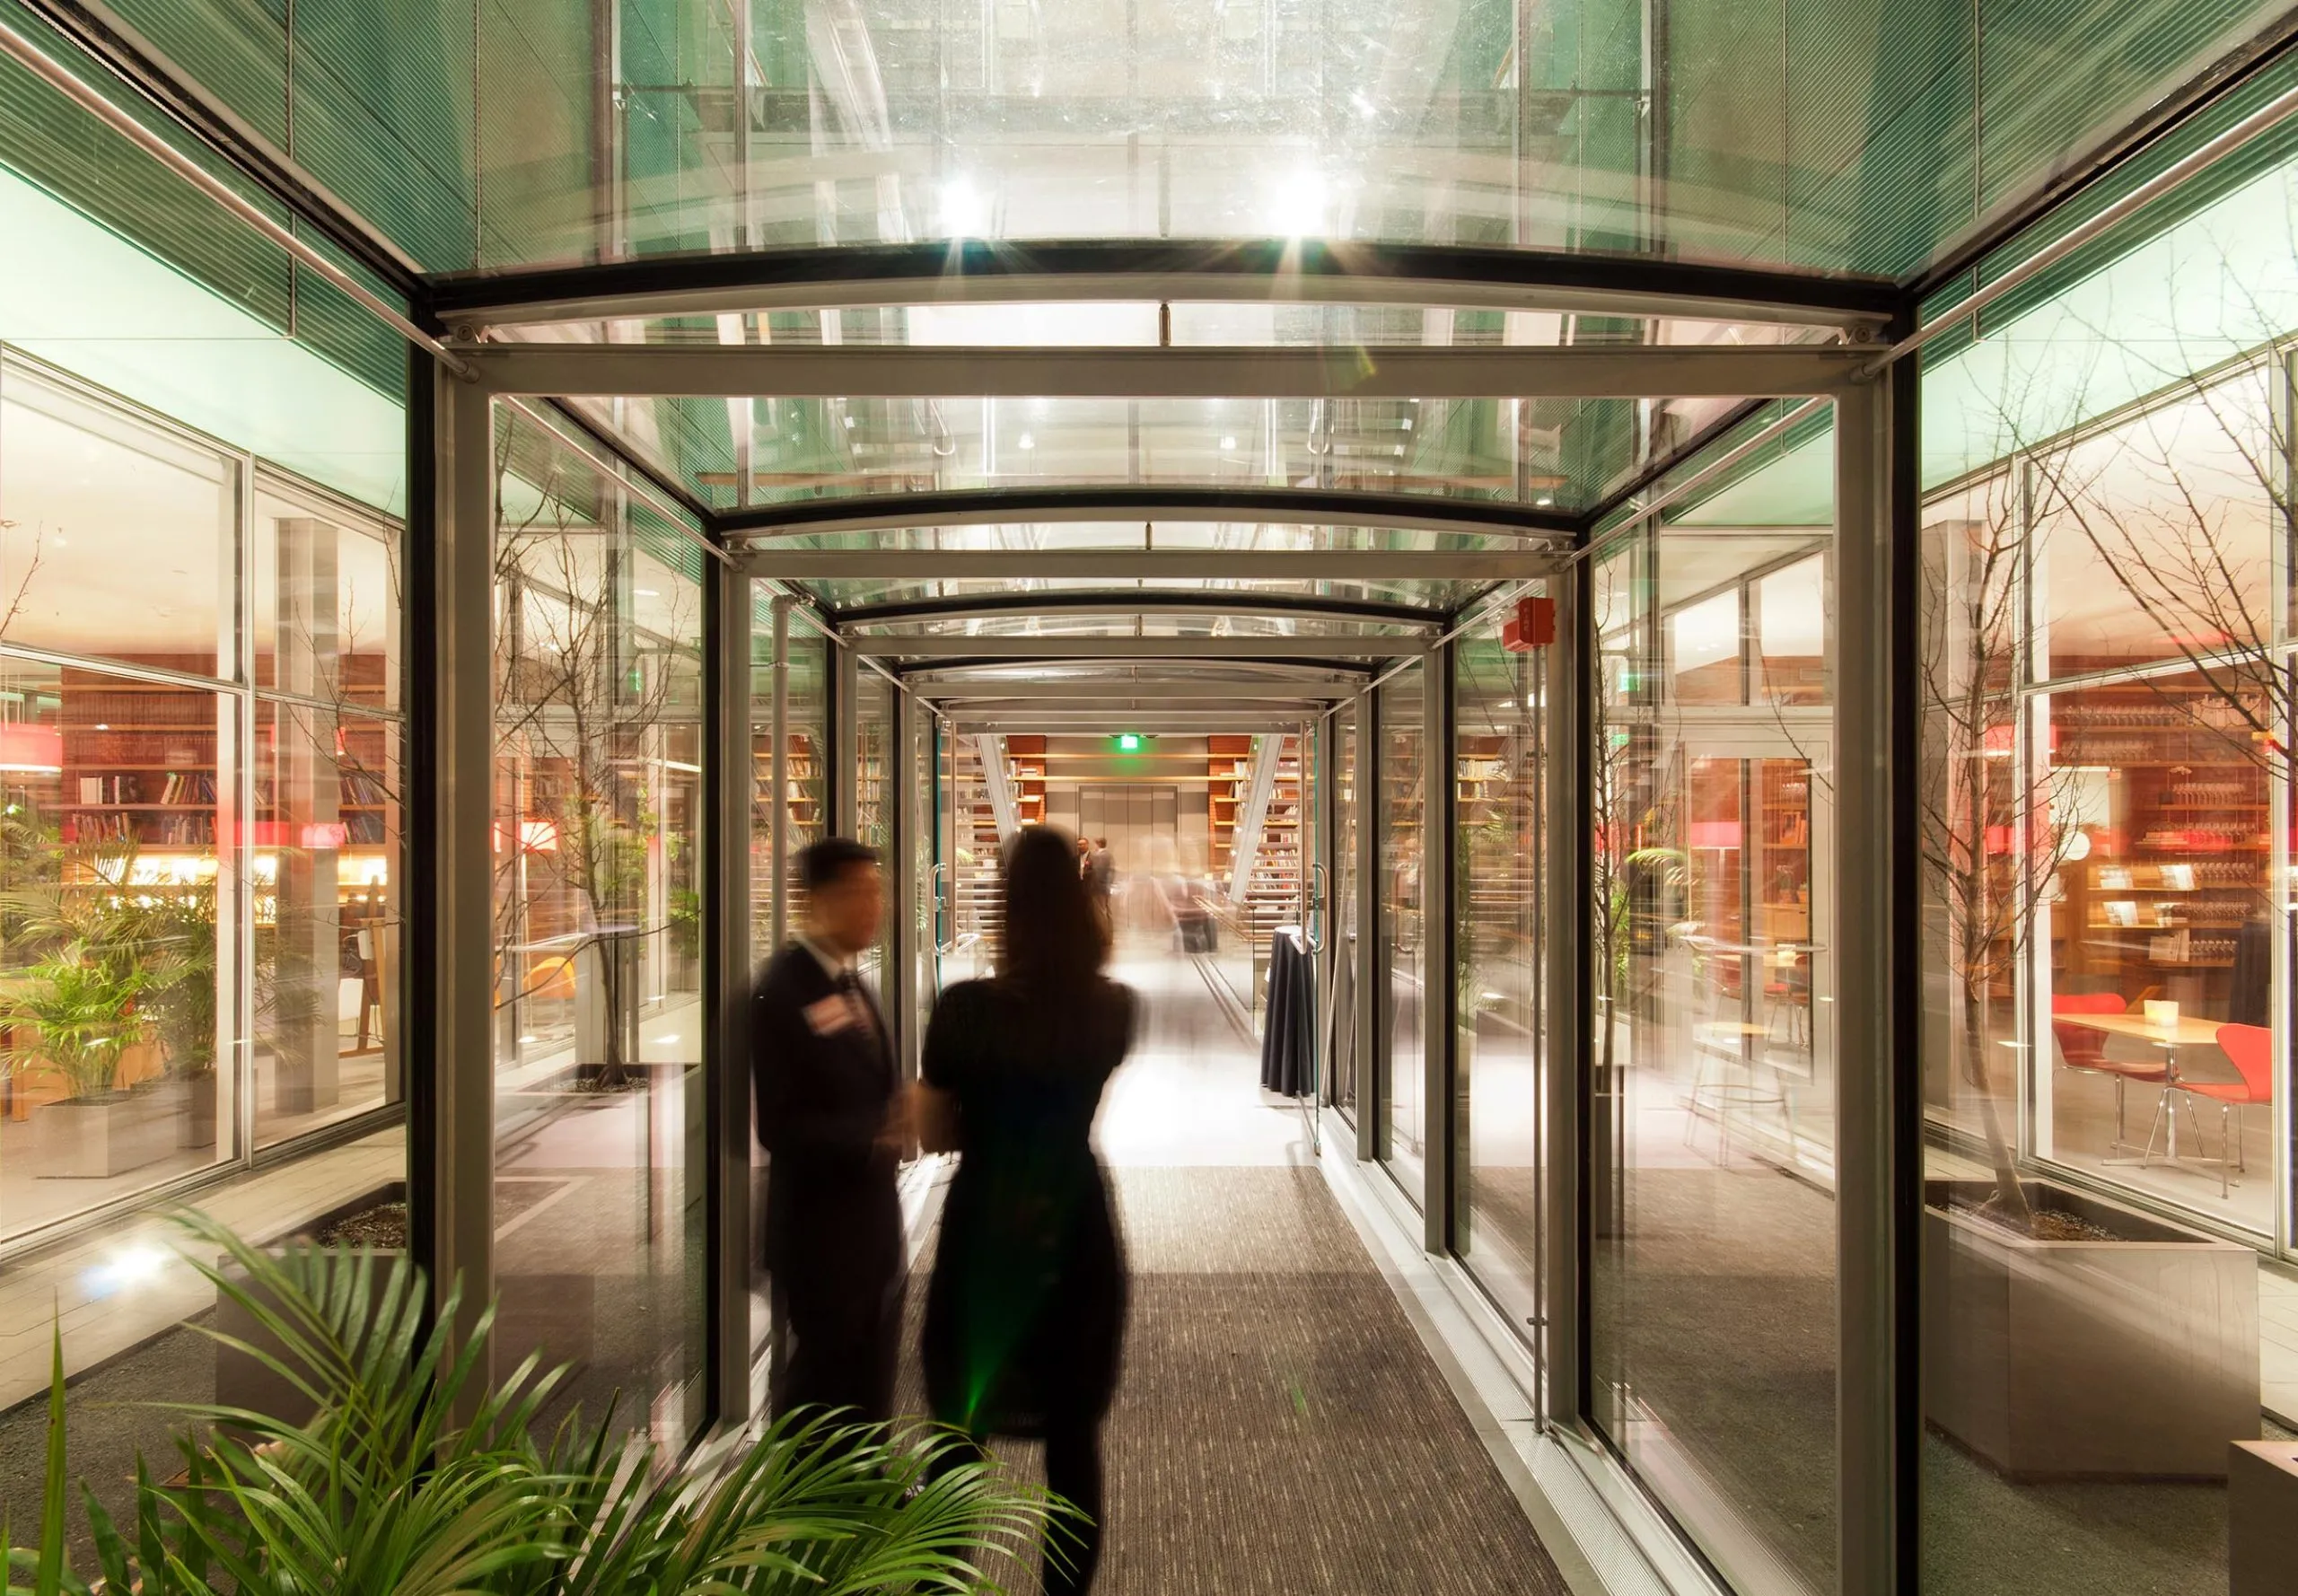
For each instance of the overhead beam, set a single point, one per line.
(1149, 692)
(714, 371)
(1147, 565)
(1040, 506)
(1150, 723)
(1295, 270)
(942, 647)
(1129, 603)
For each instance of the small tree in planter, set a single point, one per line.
(585, 694)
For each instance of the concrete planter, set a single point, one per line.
(84, 1138)
(197, 1128)
(550, 1316)
(2262, 1519)
(2135, 1358)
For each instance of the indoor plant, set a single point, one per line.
(70, 1016)
(411, 1479)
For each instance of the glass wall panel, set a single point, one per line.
(1352, 987)
(1403, 795)
(874, 802)
(805, 776)
(325, 877)
(325, 616)
(2108, 1036)
(110, 517)
(1497, 859)
(2153, 540)
(1714, 1325)
(115, 999)
(599, 771)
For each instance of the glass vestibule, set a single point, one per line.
(1713, 1316)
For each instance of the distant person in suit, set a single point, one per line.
(831, 1118)
(1025, 1312)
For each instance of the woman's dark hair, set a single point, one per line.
(1052, 933)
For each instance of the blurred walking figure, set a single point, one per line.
(1025, 1311)
(829, 1117)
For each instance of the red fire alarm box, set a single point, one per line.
(1534, 626)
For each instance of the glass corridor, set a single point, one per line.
(1697, 603)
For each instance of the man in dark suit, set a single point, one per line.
(830, 1113)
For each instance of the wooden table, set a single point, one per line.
(2181, 1032)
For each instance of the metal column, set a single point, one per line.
(1877, 986)
(1437, 982)
(1375, 996)
(844, 751)
(911, 896)
(1570, 822)
(726, 989)
(455, 1202)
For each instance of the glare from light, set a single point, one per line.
(530, 1038)
(1228, 443)
(1545, 499)
(1297, 209)
(647, 592)
(1027, 441)
(965, 209)
(665, 1040)
(129, 1268)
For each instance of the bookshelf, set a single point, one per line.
(138, 759)
(2178, 833)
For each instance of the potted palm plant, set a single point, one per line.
(408, 1478)
(68, 1018)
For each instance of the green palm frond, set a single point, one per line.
(416, 1476)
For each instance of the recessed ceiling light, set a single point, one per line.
(1027, 441)
(1228, 443)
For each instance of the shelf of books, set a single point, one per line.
(2167, 878)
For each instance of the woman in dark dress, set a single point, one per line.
(1025, 1311)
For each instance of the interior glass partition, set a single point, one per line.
(1714, 1321)
(1401, 791)
(599, 768)
(1498, 815)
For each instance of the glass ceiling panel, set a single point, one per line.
(1562, 454)
(1435, 596)
(1179, 323)
(1860, 136)
(1120, 622)
(1131, 534)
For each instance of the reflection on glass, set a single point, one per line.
(1791, 633)
(326, 881)
(1403, 819)
(2154, 539)
(1714, 1316)
(326, 605)
(1704, 651)
(1543, 452)
(599, 771)
(109, 939)
(1497, 819)
(109, 517)
(2106, 727)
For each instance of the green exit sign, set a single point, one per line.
(1128, 742)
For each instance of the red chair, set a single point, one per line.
(2083, 1049)
(2250, 1049)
